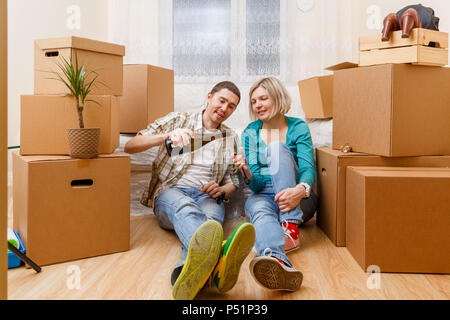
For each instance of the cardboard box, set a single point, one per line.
(423, 47)
(331, 179)
(67, 209)
(398, 218)
(392, 110)
(317, 97)
(44, 122)
(103, 57)
(148, 94)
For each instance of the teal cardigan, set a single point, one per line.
(298, 139)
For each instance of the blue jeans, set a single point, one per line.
(263, 212)
(184, 210)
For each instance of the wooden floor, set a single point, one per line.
(144, 273)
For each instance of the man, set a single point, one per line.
(184, 191)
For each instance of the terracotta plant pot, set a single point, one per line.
(84, 142)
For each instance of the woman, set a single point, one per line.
(279, 164)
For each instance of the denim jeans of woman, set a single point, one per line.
(262, 210)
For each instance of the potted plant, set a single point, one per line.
(83, 141)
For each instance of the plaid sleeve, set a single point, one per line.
(231, 176)
(162, 125)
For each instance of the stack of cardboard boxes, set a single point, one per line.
(388, 200)
(64, 208)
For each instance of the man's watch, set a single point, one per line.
(307, 189)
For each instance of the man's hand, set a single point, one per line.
(289, 198)
(213, 189)
(181, 137)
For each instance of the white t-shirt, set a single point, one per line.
(199, 172)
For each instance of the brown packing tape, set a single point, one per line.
(83, 163)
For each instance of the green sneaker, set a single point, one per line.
(234, 252)
(203, 253)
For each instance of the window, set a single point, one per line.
(201, 38)
(263, 37)
(212, 39)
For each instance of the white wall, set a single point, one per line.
(37, 19)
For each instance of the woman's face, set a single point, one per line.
(262, 104)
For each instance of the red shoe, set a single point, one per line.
(291, 236)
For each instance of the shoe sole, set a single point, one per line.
(241, 244)
(270, 274)
(203, 253)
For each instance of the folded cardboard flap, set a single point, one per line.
(342, 66)
(316, 96)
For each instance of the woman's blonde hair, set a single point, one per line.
(277, 92)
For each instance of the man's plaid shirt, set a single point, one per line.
(166, 170)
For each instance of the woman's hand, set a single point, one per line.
(289, 198)
(240, 162)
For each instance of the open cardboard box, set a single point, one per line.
(67, 209)
(316, 95)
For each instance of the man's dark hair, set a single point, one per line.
(227, 85)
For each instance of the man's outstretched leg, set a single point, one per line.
(202, 256)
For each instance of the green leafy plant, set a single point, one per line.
(74, 77)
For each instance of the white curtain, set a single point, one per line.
(242, 40)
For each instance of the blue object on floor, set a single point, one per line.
(13, 260)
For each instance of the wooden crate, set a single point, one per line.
(423, 47)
